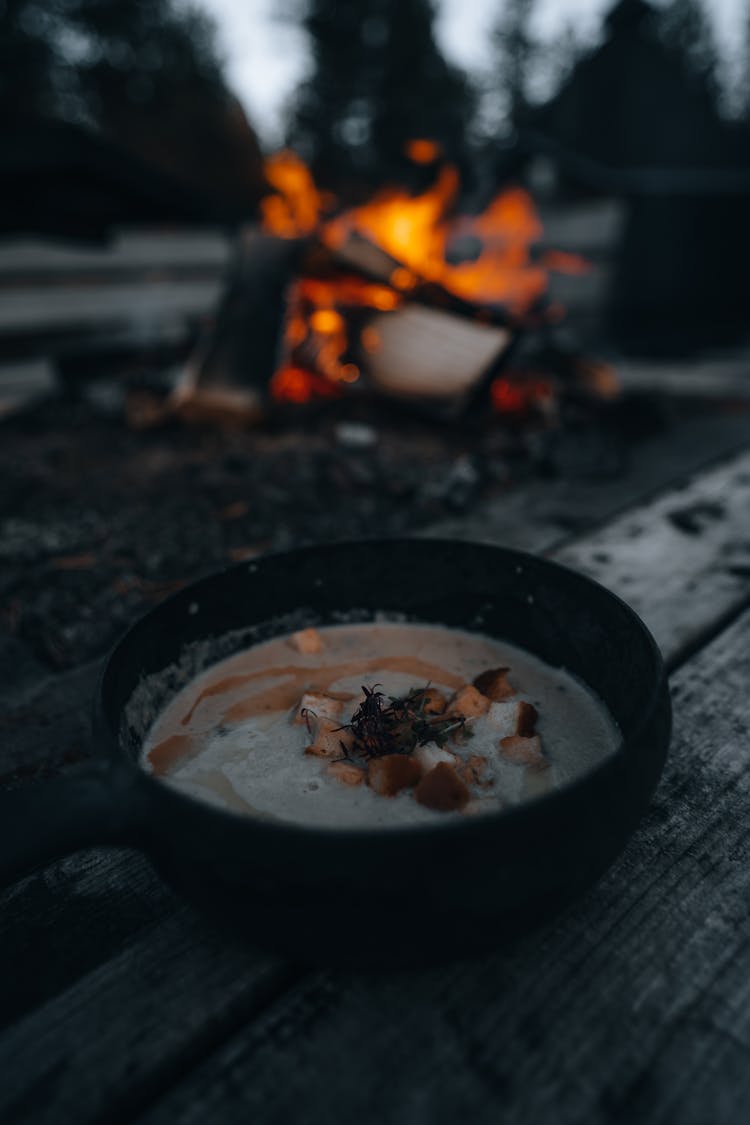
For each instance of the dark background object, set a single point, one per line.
(639, 118)
(70, 182)
(118, 112)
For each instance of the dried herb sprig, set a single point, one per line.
(386, 725)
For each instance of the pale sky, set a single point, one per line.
(267, 57)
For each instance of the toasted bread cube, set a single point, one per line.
(513, 716)
(313, 705)
(431, 754)
(392, 773)
(524, 752)
(527, 717)
(307, 641)
(431, 701)
(468, 702)
(475, 771)
(330, 739)
(346, 772)
(494, 683)
(442, 789)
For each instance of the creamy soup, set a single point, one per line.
(284, 729)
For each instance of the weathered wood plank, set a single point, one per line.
(129, 251)
(546, 514)
(20, 672)
(91, 306)
(682, 561)
(623, 1009)
(62, 922)
(48, 726)
(141, 1020)
(725, 376)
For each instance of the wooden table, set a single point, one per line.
(120, 1004)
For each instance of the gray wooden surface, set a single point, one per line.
(120, 1004)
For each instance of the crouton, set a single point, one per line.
(475, 770)
(431, 701)
(442, 789)
(314, 705)
(431, 754)
(524, 752)
(527, 717)
(346, 772)
(392, 773)
(513, 716)
(494, 684)
(330, 739)
(468, 702)
(307, 641)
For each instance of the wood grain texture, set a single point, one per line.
(65, 920)
(132, 1025)
(625, 1009)
(681, 561)
(48, 726)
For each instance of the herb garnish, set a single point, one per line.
(398, 726)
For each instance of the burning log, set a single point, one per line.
(226, 379)
(372, 299)
(428, 355)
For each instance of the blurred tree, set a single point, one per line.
(28, 60)
(741, 92)
(378, 79)
(684, 27)
(147, 73)
(527, 69)
(514, 54)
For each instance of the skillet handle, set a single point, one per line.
(90, 804)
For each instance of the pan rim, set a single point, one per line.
(506, 819)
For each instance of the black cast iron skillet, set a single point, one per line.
(370, 896)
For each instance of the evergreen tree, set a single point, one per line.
(378, 80)
(147, 73)
(514, 55)
(684, 26)
(27, 60)
(739, 92)
(88, 60)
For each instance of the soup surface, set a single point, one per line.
(306, 727)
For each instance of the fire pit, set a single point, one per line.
(410, 296)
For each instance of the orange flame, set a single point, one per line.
(418, 233)
(411, 228)
(295, 206)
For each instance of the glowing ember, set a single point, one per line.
(295, 384)
(422, 151)
(295, 206)
(517, 396)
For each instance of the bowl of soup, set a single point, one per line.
(385, 752)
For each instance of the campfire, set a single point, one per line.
(410, 296)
